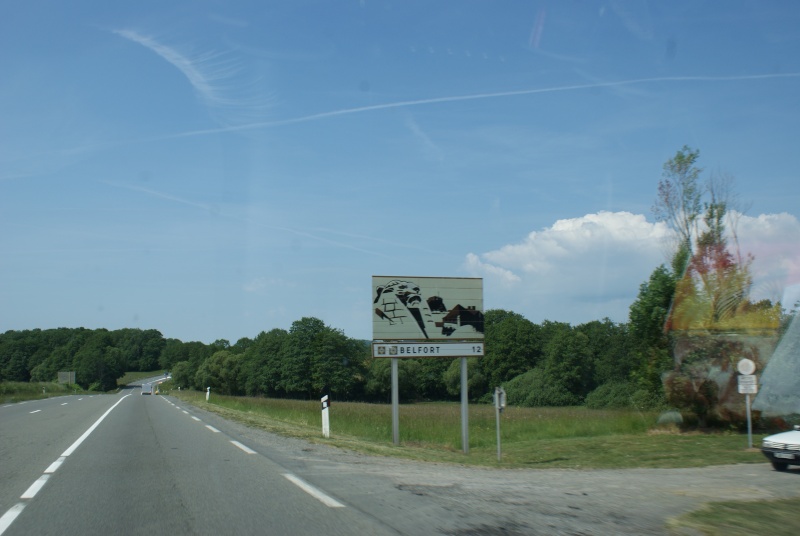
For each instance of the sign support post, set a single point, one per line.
(749, 423)
(499, 406)
(464, 408)
(395, 403)
(748, 384)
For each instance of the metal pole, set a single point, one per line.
(464, 407)
(749, 423)
(395, 404)
(497, 416)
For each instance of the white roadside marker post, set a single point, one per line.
(326, 423)
(208, 393)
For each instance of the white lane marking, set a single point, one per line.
(55, 465)
(81, 439)
(10, 516)
(36, 411)
(31, 492)
(314, 492)
(212, 429)
(195, 418)
(186, 412)
(80, 399)
(244, 448)
(65, 403)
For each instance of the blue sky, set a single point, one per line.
(215, 169)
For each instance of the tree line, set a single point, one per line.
(644, 362)
(558, 363)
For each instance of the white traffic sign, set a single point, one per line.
(746, 366)
(748, 384)
(427, 349)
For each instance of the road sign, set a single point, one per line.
(748, 384)
(746, 366)
(424, 349)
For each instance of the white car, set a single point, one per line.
(782, 450)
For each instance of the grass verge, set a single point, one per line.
(740, 518)
(19, 391)
(572, 438)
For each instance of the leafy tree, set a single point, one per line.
(379, 379)
(98, 363)
(430, 381)
(242, 345)
(337, 363)
(477, 385)
(261, 367)
(678, 203)
(182, 374)
(612, 358)
(296, 356)
(513, 346)
(568, 362)
(649, 312)
(221, 373)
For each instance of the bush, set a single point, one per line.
(646, 400)
(534, 389)
(611, 395)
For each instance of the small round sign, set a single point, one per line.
(746, 366)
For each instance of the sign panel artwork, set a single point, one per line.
(427, 308)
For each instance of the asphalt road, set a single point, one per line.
(153, 467)
(150, 467)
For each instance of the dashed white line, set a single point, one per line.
(31, 492)
(212, 429)
(186, 412)
(10, 516)
(55, 465)
(244, 448)
(36, 411)
(195, 418)
(65, 403)
(314, 492)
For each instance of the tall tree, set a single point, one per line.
(513, 346)
(679, 199)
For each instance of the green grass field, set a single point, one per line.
(18, 391)
(573, 437)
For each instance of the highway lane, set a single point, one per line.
(150, 467)
(34, 433)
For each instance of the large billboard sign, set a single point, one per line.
(426, 309)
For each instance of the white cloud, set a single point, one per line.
(591, 267)
(774, 240)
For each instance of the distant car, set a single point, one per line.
(782, 450)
